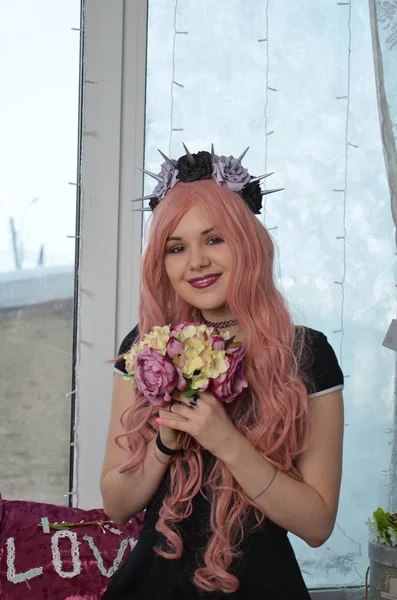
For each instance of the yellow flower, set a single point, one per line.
(188, 332)
(157, 339)
(199, 361)
(130, 367)
(189, 362)
(199, 381)
(216, 364)
(200, 332)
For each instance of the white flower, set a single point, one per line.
(383, 540)
(373, 529)
(393, 536)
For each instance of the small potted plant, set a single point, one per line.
(382, 552)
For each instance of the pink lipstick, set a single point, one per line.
(205, 281)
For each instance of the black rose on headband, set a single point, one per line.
(153, 203)
(252, 196)
(226, 171)
(189, 171)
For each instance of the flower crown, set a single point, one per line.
(227, 171)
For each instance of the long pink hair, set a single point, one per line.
(272, 414)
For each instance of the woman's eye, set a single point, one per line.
(210, 242)
(175, 249)
(215, 240)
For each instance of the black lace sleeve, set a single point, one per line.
(119, 366)
(323, 373)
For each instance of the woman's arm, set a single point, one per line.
(126, 494)
(308, 508)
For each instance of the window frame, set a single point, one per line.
(350, 593)
(112, 134)
(112, 103)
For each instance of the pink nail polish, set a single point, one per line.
(159, 420)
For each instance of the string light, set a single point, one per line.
(267, 88)
(173, 80)
(74, 459)
(343, 191)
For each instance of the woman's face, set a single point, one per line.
(199, 263)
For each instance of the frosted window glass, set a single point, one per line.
(276, 79)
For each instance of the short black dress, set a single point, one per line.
(267, 568)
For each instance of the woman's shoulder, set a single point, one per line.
(119, 365)
(319, 366)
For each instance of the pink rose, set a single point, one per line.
(174, 347)
(229, 385)
(217, 342)
(157, 376)
(180, 328)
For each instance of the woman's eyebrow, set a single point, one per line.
(179, 239)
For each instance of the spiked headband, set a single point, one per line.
(226, 170)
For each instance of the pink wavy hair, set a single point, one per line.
(272, 414)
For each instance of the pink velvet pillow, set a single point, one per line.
(39, 562)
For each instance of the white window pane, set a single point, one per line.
(38, 157)
(277, 80)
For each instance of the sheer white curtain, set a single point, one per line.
(384, 41)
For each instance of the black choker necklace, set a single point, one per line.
(221, 325)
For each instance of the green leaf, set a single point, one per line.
(189, 393)
(381, 518)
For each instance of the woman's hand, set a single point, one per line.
(208, 423)
(168, 435)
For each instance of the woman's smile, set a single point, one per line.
(205, 281)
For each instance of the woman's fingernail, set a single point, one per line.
(159, 420)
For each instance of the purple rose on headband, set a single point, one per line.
(169, 179)
(232, 176)
(229, 385)
(157, 376)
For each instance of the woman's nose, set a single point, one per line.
(198, 259)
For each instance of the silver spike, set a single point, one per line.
(265, 192)
(149, 197)
(168, 160)
(190, 157)
(151, 174)
(261, 177)
(213, 158)
(240, 158)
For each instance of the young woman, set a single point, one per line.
(223, 484)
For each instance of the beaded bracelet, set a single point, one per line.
(267, 487)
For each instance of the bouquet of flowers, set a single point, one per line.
(383, 527)
(191, 358)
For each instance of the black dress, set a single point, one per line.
(267, 568)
